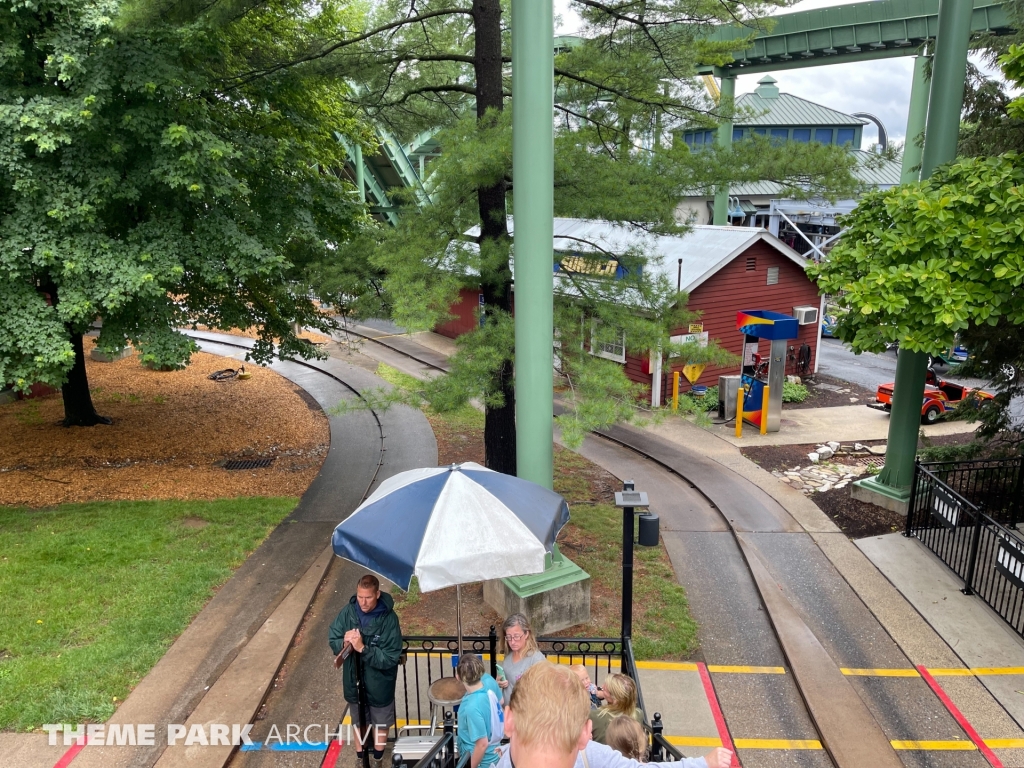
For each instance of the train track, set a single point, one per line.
(206, 340)
(848, 732)
(405, 353)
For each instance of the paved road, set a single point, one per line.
(869, 369)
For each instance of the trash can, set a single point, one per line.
(728, 389)
(698, 390)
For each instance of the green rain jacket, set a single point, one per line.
(383, 641)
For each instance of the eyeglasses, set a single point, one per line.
(515, 638)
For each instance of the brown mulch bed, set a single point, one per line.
(172, 431)
(857, 519)
(250, 333)
(827, 392)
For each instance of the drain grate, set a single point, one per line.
(248, 463)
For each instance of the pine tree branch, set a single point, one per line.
(248, 77)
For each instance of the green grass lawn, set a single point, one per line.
(94, 594)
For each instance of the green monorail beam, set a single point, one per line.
(845, 33)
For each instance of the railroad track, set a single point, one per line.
(208, 341)
(849, 733)
(379, 340)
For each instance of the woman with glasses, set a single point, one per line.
(521, 652)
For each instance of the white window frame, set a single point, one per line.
(598, 349)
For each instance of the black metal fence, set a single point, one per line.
(949, 513)
(426, 659)
(994, 485)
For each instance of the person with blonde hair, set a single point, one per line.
(520, 650)
(546, 719)
(620, 698)
(548, 726)
(627, 737)
(596, 693)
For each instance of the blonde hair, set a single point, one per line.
(580, 668)
(627, 736)
(519, 620)
(549, 707)
(621, 692)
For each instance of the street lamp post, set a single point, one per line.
(628, 499)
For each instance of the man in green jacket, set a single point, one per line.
(369, 625)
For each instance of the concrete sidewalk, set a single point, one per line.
(844, 423)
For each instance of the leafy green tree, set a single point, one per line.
(924, 262)
(622, 89)
(143, 187)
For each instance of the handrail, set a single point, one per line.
(629, 668)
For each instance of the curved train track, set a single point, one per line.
(376, 417)
(824, 696)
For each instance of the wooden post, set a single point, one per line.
(739, 411)
(675, 390)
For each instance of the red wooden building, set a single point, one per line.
(724, 270)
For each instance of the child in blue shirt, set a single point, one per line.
(475, 716)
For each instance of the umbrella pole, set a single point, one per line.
(458, 613)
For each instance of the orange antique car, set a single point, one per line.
(940, 397)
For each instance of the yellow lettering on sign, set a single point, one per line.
(696, 327)
(584, 266)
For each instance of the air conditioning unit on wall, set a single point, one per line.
(805, 315)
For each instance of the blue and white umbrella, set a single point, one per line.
(452, 525)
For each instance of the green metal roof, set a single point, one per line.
(786, 109)
(855, 32)
(885, 176)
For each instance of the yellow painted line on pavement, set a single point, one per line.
(950, 672)
(997, 670)
(880, 672)
(935, 746)
(777, 743)
(694, 741)
(678, 666)
(1004, 743)
(744, 670)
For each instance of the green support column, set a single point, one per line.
(916, 117)
(533, 104)
(945, 101)
(357, 160)
(725, 104)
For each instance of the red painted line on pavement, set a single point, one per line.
(331, 758)
(716, 712)
(71, 754)
(972, 734)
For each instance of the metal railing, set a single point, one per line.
(426, 659)
(992, 484)
(661, 750)
(987, 555)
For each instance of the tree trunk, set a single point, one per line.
(499, 422)
(78, 407)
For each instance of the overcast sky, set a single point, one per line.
(880, 87)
